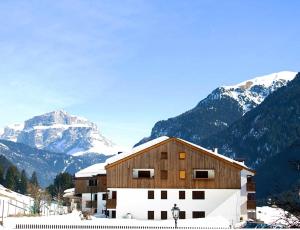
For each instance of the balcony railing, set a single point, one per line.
(111, 203)
(251, 187)
(251, 204)
(90, 203)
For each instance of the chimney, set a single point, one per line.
(215, 150)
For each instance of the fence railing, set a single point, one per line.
(64, 226)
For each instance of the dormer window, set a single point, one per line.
(143, 173)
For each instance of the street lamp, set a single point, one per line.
(175, 213)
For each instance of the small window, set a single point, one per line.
(114, 195)
(181, 214)
(104, 196)
(163, 215)
(92, 182)
(143, 173)
(113, 214)
(95, 197)
(182, 174)
(150, 215)
(251, 196)
(198, 195)
(150, 194)
(164, 155)
(181, 195)
(198, 214)
(204, 174)
(164, 195)
(201, 174)
(182, 155)
(164, 174)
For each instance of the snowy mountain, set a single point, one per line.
(221, 108)
(252, 92)
(61, 132)
(45, 163)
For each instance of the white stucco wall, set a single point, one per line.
(217, 202)
(100, 203)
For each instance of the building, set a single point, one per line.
(90, 186)
(146, 182)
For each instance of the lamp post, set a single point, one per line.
(175, 213)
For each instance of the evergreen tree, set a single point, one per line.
(1, 175)
(34, 179)
(12, 178)
(62, 182)
(23, 182)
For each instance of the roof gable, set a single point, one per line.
(162, 140)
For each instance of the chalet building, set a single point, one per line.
(146, 182)
(90, 186)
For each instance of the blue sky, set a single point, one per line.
(127, 64)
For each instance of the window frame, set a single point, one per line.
(163, 194)
(198, 197)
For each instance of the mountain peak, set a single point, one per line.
(58, 131)
(265, 80)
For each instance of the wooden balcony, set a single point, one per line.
(251, 187)
(91, 204)
(111, 203)
(251, 204)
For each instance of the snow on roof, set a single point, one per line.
(136, 149)
(92, 170)
(5, 192)
(69, 190)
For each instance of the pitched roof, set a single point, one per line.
(158, 141)
(92, 170)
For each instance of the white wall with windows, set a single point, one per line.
(216, 202)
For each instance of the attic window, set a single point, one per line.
(143, 173)
(182, 155)
(164, 155)
(203, 174)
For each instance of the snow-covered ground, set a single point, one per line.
(273, 216)
(74, 219)
(267, 214)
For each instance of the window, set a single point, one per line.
(104, 196)
(181, 195)
(143, 173)
(181, 214)
(92, 182)
(113, 214)
(198, 195)
(182, 174)
(150, 194)
(164, 174)
(198, 214)
(163, 215)
(114, 195)
(204, 174)
(150, 215)
(95, 197)
(164, 155)
(182, 155)
(163, 195)
(251, 196)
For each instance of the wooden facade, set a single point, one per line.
(82, 184)
(226, 174)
